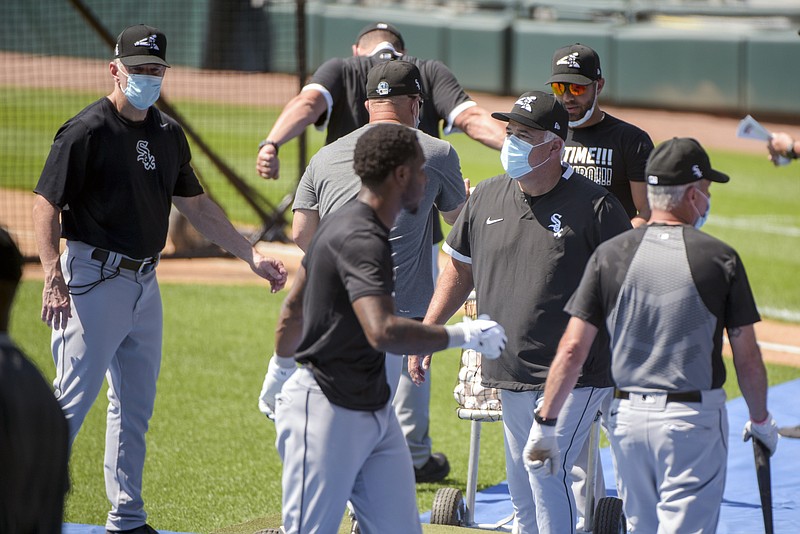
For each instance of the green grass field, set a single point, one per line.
(211, 459)
(211, 462)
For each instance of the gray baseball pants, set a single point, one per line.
(115, 332)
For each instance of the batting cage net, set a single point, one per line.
(235, 64)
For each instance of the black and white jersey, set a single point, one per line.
(114, 179)
(342, 81)
(348, 258)
(528, 255)
(612, 153)
(665, 294)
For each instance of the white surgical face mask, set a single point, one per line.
(701, 219)
(588, 114)
(142, 90)
(514, 156)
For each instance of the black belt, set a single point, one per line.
(143, 266)
(681, 396)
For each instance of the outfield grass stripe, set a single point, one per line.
(791, 316)
(764, 225)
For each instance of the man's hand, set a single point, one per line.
(417, 367)
(271, 270)
(267, 163)
(779, 147)
(481, 334)
(541, 454)
(55, 301)
(278, 372)
(766, 432)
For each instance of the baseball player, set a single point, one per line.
(664, 293)
(522, 241)
(334, 100)
(34, 476)
(107, 186)
(600, 146)
(611, 152)
(394, 93)
(337, 434)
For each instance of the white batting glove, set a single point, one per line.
(541, 454)
(482, 335)
(278, 372)
(765, 432)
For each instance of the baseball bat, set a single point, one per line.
(761, 454)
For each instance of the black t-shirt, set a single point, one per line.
(528, 255)
(665, 294)
(348, 258)
(612, 153)
(114, 179)
(346, 79)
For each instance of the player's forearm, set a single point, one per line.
(302, 110)
(452, 289)
(573, 349)
(209, 219)
(47, 229)
(289, 330)
(406, 336)
(750, 370)
(479, 125)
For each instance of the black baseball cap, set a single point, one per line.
(393, 78)
(140, 45)
(538, 110)
(575, 64)
(385, 26)
(679, 161)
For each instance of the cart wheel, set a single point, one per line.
(448, 507)
(609, 517)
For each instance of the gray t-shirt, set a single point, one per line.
(330, 181)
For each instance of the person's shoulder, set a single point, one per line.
(432, 145)
(94, 114)
(492, 186)
(580, 183)
(707, 241)
(610, 122)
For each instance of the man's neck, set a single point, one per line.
(386, 210)
(541, 181)
(125, 109)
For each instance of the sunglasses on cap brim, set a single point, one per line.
(559, 88)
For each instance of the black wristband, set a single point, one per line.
(542, 421)
(266, 142)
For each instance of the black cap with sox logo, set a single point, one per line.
(140, 45)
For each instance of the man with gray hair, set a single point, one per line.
(664, 293)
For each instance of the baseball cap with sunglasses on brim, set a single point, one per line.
(575, 64)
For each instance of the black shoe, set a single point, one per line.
(144, 529)
(790, 431)
(434, 470)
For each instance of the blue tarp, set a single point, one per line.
(741, 504)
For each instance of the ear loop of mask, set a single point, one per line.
(589, 112)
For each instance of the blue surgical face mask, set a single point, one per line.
(514, 156)
(142, 90)
(701, 220)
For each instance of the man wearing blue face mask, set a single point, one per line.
(522, 241)
(107, 186)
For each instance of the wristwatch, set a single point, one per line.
(266, 142)
(542, 421)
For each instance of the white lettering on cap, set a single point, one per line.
(149, 42)
(525, 102)
(696, 171)
(652, 180)
(570, 60)
(383, 88)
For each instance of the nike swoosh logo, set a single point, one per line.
(165, 125)
(489, 220)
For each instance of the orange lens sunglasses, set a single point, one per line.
(559, 88)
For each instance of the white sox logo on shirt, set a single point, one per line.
(147, 159)
(556, 226)
(525, 102)
(570, 60)
(149, 42)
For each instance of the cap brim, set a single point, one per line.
(570, 78)
(516, 117)
(135, 61)
(719, 177)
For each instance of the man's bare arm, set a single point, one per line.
(479, 125)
